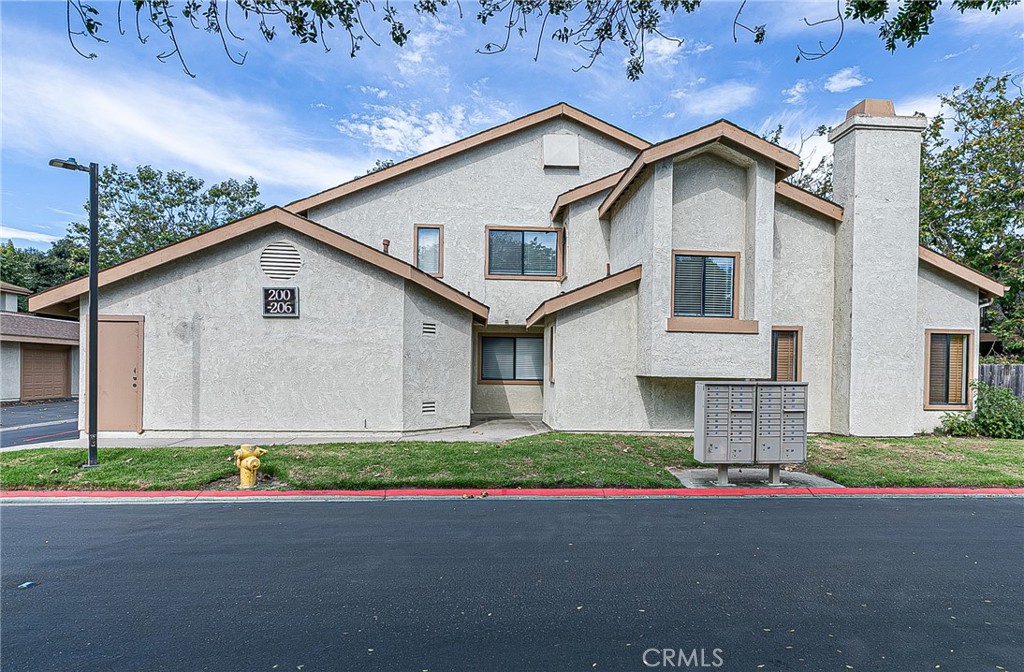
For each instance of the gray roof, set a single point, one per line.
(15, 326)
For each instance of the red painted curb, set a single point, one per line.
(503, 492)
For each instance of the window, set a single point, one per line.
(786, 354)
(511, 359)
(704, 285)
(523, 253)
(429, 250)
(948, 357)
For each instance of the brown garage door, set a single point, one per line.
(45, 371)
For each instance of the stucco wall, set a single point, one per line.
(436, 367)
(596, 387)
(10, 364)
(502, 183)
(803, 284)
(587, 250)
(497, 399)
(877, 181)
(213, 362)
(943, 303)
(703, 187)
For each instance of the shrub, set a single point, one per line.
(998, 413)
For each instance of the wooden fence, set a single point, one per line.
(1010, 376)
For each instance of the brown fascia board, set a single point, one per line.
(786, 162)
(584, 293)
(989, 286)
(791, 192)
(583, 191)
(303, 205)
(52, 300)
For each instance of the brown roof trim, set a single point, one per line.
(583, 191)
(786, 162)
(557, 110)
(791, 192)
(584, 293)
(989, 286)
(69, 291)
(14, 289)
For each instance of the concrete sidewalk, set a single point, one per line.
(493, 430)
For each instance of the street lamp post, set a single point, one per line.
(92, 333)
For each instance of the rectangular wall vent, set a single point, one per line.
(429, 329)
(429, 407)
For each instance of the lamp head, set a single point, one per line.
(67, 164)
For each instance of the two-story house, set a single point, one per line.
(554, 266)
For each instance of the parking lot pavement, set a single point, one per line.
(38, 421)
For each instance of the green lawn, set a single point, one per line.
(548, 460)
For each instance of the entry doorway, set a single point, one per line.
(120, 373)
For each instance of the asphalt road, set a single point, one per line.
(28, 423)
(782, 584)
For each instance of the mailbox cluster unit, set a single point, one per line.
(748, 422)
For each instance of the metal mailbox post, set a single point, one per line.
(750, 423)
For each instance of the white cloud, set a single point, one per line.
(846, 79)
(660, 49)
(959, 53)
(716, 100)
(797, 94)
(374, 91)
(165, 121)
(406, 131)
(8, 232)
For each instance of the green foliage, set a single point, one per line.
(589, 25)
(140, 212)
(380, 164)
(998, 413)
(972, 192)
(148, 209)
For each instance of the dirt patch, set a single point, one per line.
(263, 482)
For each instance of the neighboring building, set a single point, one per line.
(553, 266)
(38, 355)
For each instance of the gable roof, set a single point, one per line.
(989, 286)
(51, 299)
(558, 110)
(786, 162)
(14, 289)
(584, 293)
(584, 190)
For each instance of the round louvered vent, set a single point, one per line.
(280, 261)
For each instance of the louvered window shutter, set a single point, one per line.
(937, 379)
(689, 280)
(718, 273)
(956, 385)
(497, 358)
(784, 345)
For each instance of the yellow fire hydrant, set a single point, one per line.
(247, 459)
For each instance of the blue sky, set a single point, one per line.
(299, 119)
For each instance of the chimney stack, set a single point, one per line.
(876, 178)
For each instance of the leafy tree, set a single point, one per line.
(13, 265)
(590, 25)
(380, 164)
(147, 209)
(972, 192)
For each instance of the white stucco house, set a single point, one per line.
(554, 266)
(38, 355)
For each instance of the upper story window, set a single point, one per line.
(704, 285)
(524, 254)
(429, 249)
(948, 357)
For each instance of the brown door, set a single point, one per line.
(45, 371)
(120, 373)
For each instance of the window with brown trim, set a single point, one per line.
(523, 253)
(512, 359)
(704, 285)
(786, 354)
(947, 369)
(428, 249)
